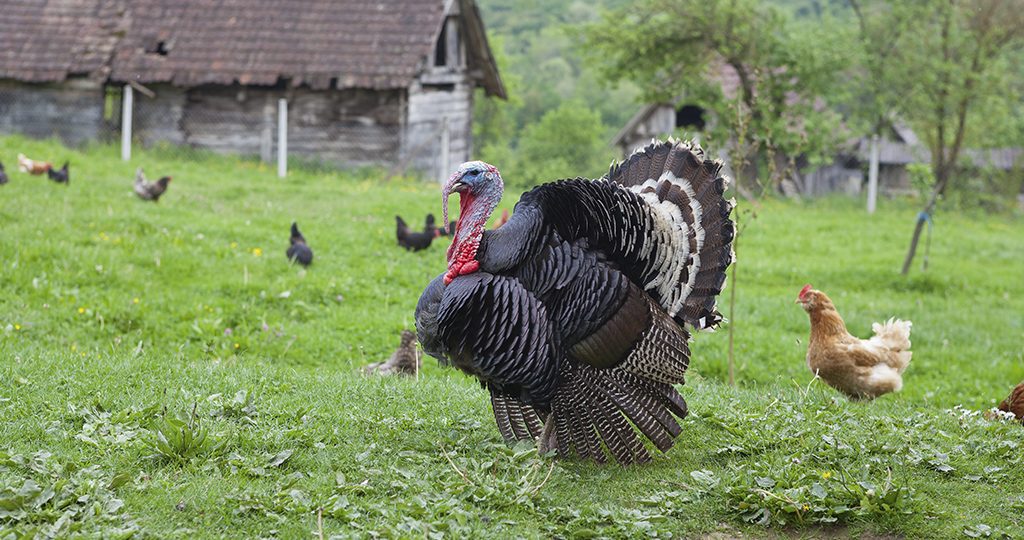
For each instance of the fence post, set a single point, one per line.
(873, 175)
(445, 150)
(282, 137)
(126, 123)
(267, 132)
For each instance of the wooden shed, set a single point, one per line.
(367, 81)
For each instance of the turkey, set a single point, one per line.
(574, 314)
(298, 251)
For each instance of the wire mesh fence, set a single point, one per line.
(251, 124)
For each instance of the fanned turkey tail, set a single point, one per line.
(685, 189)
(617, 410)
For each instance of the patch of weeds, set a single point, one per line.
(791, 494)
(982, 530)
(286, 499)
(183, 439)
(240, 407)
(119, 428)
(258, 467)
(42, 499)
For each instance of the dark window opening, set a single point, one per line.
(161, 48)
(441, 50)
(441, 87)
(690, 116)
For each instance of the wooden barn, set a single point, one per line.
(367, 81)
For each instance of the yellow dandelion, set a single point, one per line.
(826, 475)
(81, 310)
(257, 252)
(135, 300)
(234, 245)
(17, 327)
(237, 345)
(807, 507)
(74, 347)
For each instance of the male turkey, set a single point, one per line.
(572, 314)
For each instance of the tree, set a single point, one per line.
(567, 142)
(941, 65)
(784, 73)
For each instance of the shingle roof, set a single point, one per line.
(48, 40)
(317, 43)
(367, 43)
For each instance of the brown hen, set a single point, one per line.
(859, 368)
(1014, 403)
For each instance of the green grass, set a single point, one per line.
(114, 317)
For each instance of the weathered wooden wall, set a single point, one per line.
(72, 111)
(833, 178)
(347, 127)
(430, 109)
(660, 122)
(427, 129)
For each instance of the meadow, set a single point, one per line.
(165, 372)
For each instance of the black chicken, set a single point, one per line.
(412, 240)
(61, 176)
(3, 174)
(572, 314)
(298, 251)
(447, 231)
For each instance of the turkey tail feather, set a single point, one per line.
(516, 421)
(685, 191)
(612, 411)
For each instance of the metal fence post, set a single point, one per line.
(873, 175)
(282, 137)
(126, 123)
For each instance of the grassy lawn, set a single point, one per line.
(124, 325)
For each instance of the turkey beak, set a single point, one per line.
(454, 182)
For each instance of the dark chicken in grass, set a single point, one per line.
(574, 313)
(298, 251)
(3, 175)
(61, 176)
(404, 361)
(413, 240)
(150, 191)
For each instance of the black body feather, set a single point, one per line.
(577, 316)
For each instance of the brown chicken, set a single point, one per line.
(859, 368)
(405, 360)
(150, 191)
(1015, 402)
(32, 166)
